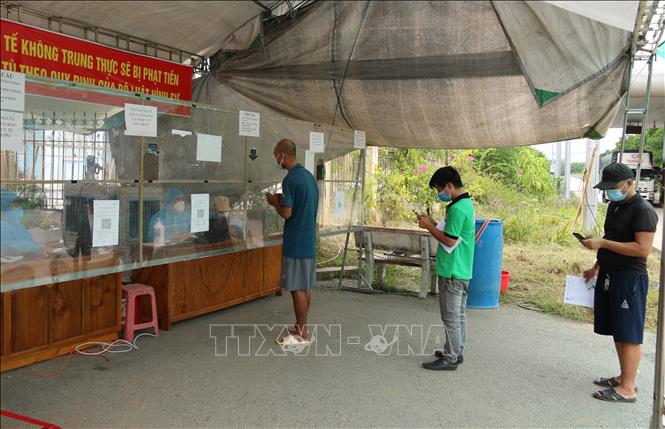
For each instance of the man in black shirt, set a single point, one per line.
(622, 280)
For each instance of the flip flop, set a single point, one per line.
(612, 395)
(607, 382)
(292, 340)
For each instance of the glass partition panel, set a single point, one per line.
(82, 198)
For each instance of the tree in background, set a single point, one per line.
(653, 142)
(400, 182)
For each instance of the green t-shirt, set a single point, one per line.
(460, 223)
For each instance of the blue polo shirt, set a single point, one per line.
(300, 192)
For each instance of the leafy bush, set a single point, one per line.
(512, 184)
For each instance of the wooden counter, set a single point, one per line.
(190, 288)
(43, 322)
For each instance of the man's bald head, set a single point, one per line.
(287, 147)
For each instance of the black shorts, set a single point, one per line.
(620, 306)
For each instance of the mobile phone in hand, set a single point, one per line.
(416, 213)
(579, 236)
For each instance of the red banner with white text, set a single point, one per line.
(45, 53)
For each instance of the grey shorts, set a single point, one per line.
(297, 273)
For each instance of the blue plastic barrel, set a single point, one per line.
(485, 286)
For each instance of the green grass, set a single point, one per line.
(538, 275)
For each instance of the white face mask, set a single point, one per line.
(179, 207)
(279, 163)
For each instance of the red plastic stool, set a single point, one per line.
(134, 314)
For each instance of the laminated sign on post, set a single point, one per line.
(249, 125)
(316, 142)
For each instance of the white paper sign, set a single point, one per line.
(339, 204)
(316, 142)
(208, 147)
(200, 211)
(578, 292)
(11, 131)
(309, 162)
(249, 124)
(12, 91)
(140, 120)
(359, 141)
(105, 223)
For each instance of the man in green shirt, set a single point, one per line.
(454, 263)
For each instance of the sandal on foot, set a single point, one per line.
(292, 340)
(606, 382)
(612, 395)
(293, 329)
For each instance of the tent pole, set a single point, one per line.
(626, 106)
(350, 224)
(645, 117)
(659, 371)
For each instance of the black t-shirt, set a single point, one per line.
(623, 220)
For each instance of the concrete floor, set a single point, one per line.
(522, 369)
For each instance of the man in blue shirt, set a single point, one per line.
(297, 204)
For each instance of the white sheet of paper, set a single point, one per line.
(359, 141)
(309, 162)
(442, 226)
(208, 147)
(140, 120)
(12, 91)
(449, 249)
(249, 125)
(200, 211)
(339, 204)
(11, 130)
(578, 292)
(181, 133)
(316, 142)
(106, 219)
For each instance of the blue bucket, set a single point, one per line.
(485, 286)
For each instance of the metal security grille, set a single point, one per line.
(52, 153)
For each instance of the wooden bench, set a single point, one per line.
(406, 247)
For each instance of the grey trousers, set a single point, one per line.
(452, 303)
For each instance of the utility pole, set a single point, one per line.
(566, 169)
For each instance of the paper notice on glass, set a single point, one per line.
(140, 120)
(200, 211)
(579, 292)
(12, 91)
(359, 141)
(339, 204)
(316, 142)
(11, 130)
(249, 125)
(208, 147)
(106, 218)
(309, 162)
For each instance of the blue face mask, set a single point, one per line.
(616, 195)
(14, 215)
(445, 198)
